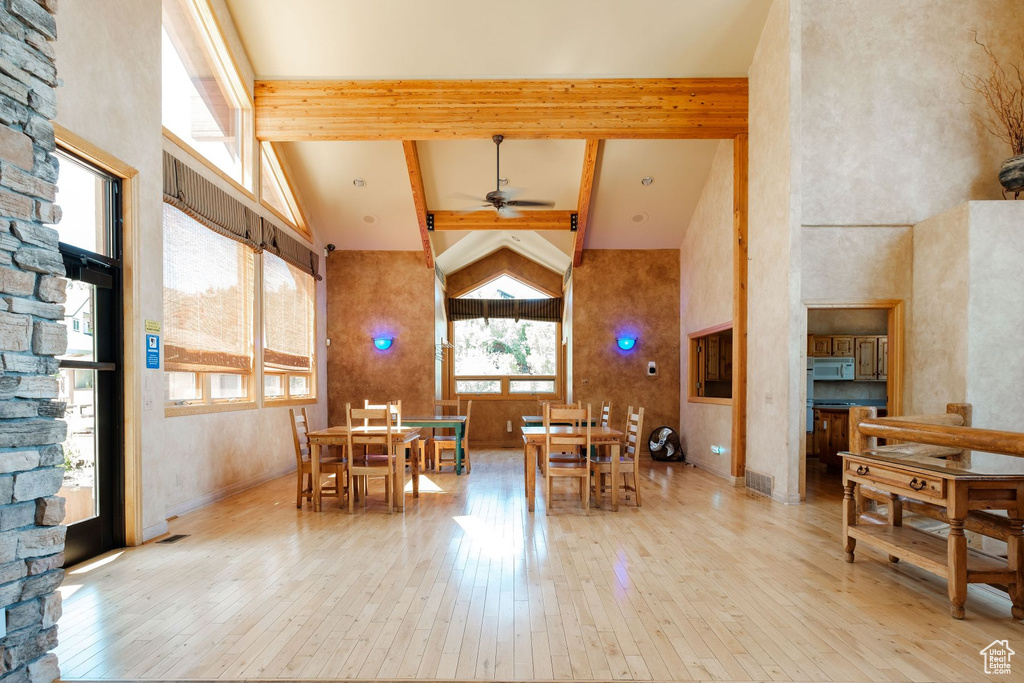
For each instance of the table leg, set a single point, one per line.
(1015, 561)
(614, 450)
(458, 448)
(531, 475)
(849, 518)
(957, 560)
(398, 490)
(314, 456)
(416, 457)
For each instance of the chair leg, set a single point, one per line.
(550, 502)
(352, 493)
(636, 484)
(586, 497)
(465, 459)
(298, 489)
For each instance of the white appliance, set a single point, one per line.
(831, 369)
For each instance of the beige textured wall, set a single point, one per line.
(387, 293)
(107, 57)
(968, 311)
(847, 321)
(776, 319)
(995, 364)
(500, 261)
(885, 137)
(705, 300)
(856, 263)
(635, 292)
(937, 338)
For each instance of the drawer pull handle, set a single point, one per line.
(918, 485)
(862, 470)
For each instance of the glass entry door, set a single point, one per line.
(91, 369)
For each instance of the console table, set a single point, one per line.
(943, 481)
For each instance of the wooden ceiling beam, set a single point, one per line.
(490, 220)
(419, 197)
(583, 205)
(621, 108)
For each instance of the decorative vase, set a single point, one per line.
(1011, 175)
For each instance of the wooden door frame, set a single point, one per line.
(896, 334)
(132, 323)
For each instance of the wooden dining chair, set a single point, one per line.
(362, 466)
(335, 466)
(440, 444)
(567, 456)
(601, 466)
(396, 419)
(447, 407)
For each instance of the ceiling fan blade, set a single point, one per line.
(474, 209)
(528, 202)
(507, 211)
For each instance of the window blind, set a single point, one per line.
(288, 300)
(208, 298)
(541, 310)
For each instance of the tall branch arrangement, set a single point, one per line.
(1002, 90)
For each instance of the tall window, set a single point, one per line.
(275, 190)
(502, 357)
(205, 103)
(289, 296)
(208, 313)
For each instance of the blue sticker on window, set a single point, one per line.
(153, 351)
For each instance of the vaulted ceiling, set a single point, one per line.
(460, 39)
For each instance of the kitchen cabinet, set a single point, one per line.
(832, 434)
(819, 345)
(842, 346)
(713, 360)
(871, 358)
(725, 364)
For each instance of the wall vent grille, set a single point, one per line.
(568, 274)
(440, 274)
(762, 483)
(174, 539)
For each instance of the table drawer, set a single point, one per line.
(915, 484)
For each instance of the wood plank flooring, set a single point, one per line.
(705, 582)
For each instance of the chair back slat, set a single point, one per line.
(448, 406)
(606, 413)
(559, 416)
(396, 410)
(371, 417)
(634, 428)
(300, 435)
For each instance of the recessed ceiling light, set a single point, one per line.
(639, 218)
(371, 219)
(646, 180)
(502, 182)
(359, 182)
(515, 238)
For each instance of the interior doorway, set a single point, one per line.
(91, 370)
(854, 358)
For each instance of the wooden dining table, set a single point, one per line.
(338, 436)
(534, 440)
(538, 421)
(438, 421)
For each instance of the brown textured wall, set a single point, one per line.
(636, 292)
(489, 419)
(498, 262)
(389, 293)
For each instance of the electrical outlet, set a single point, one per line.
(508, 426)
(147, 401)
(585, 381)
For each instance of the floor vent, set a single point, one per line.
(173, 539)
(762, 483)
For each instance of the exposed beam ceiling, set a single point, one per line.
(419, 197)
(583, 205)
(657, 108)
(490, 220)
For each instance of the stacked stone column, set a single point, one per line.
(32, 291)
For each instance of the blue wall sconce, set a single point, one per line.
(626, 343)
(383, 343)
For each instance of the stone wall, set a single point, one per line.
(31, 335)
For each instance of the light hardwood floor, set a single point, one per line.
(705, 582)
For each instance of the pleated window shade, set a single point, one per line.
(208, 298)
(288, 327)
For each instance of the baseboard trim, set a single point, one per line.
(151, 532)
(734, 481)
(194, 504)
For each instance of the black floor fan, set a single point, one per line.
(665, 446)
